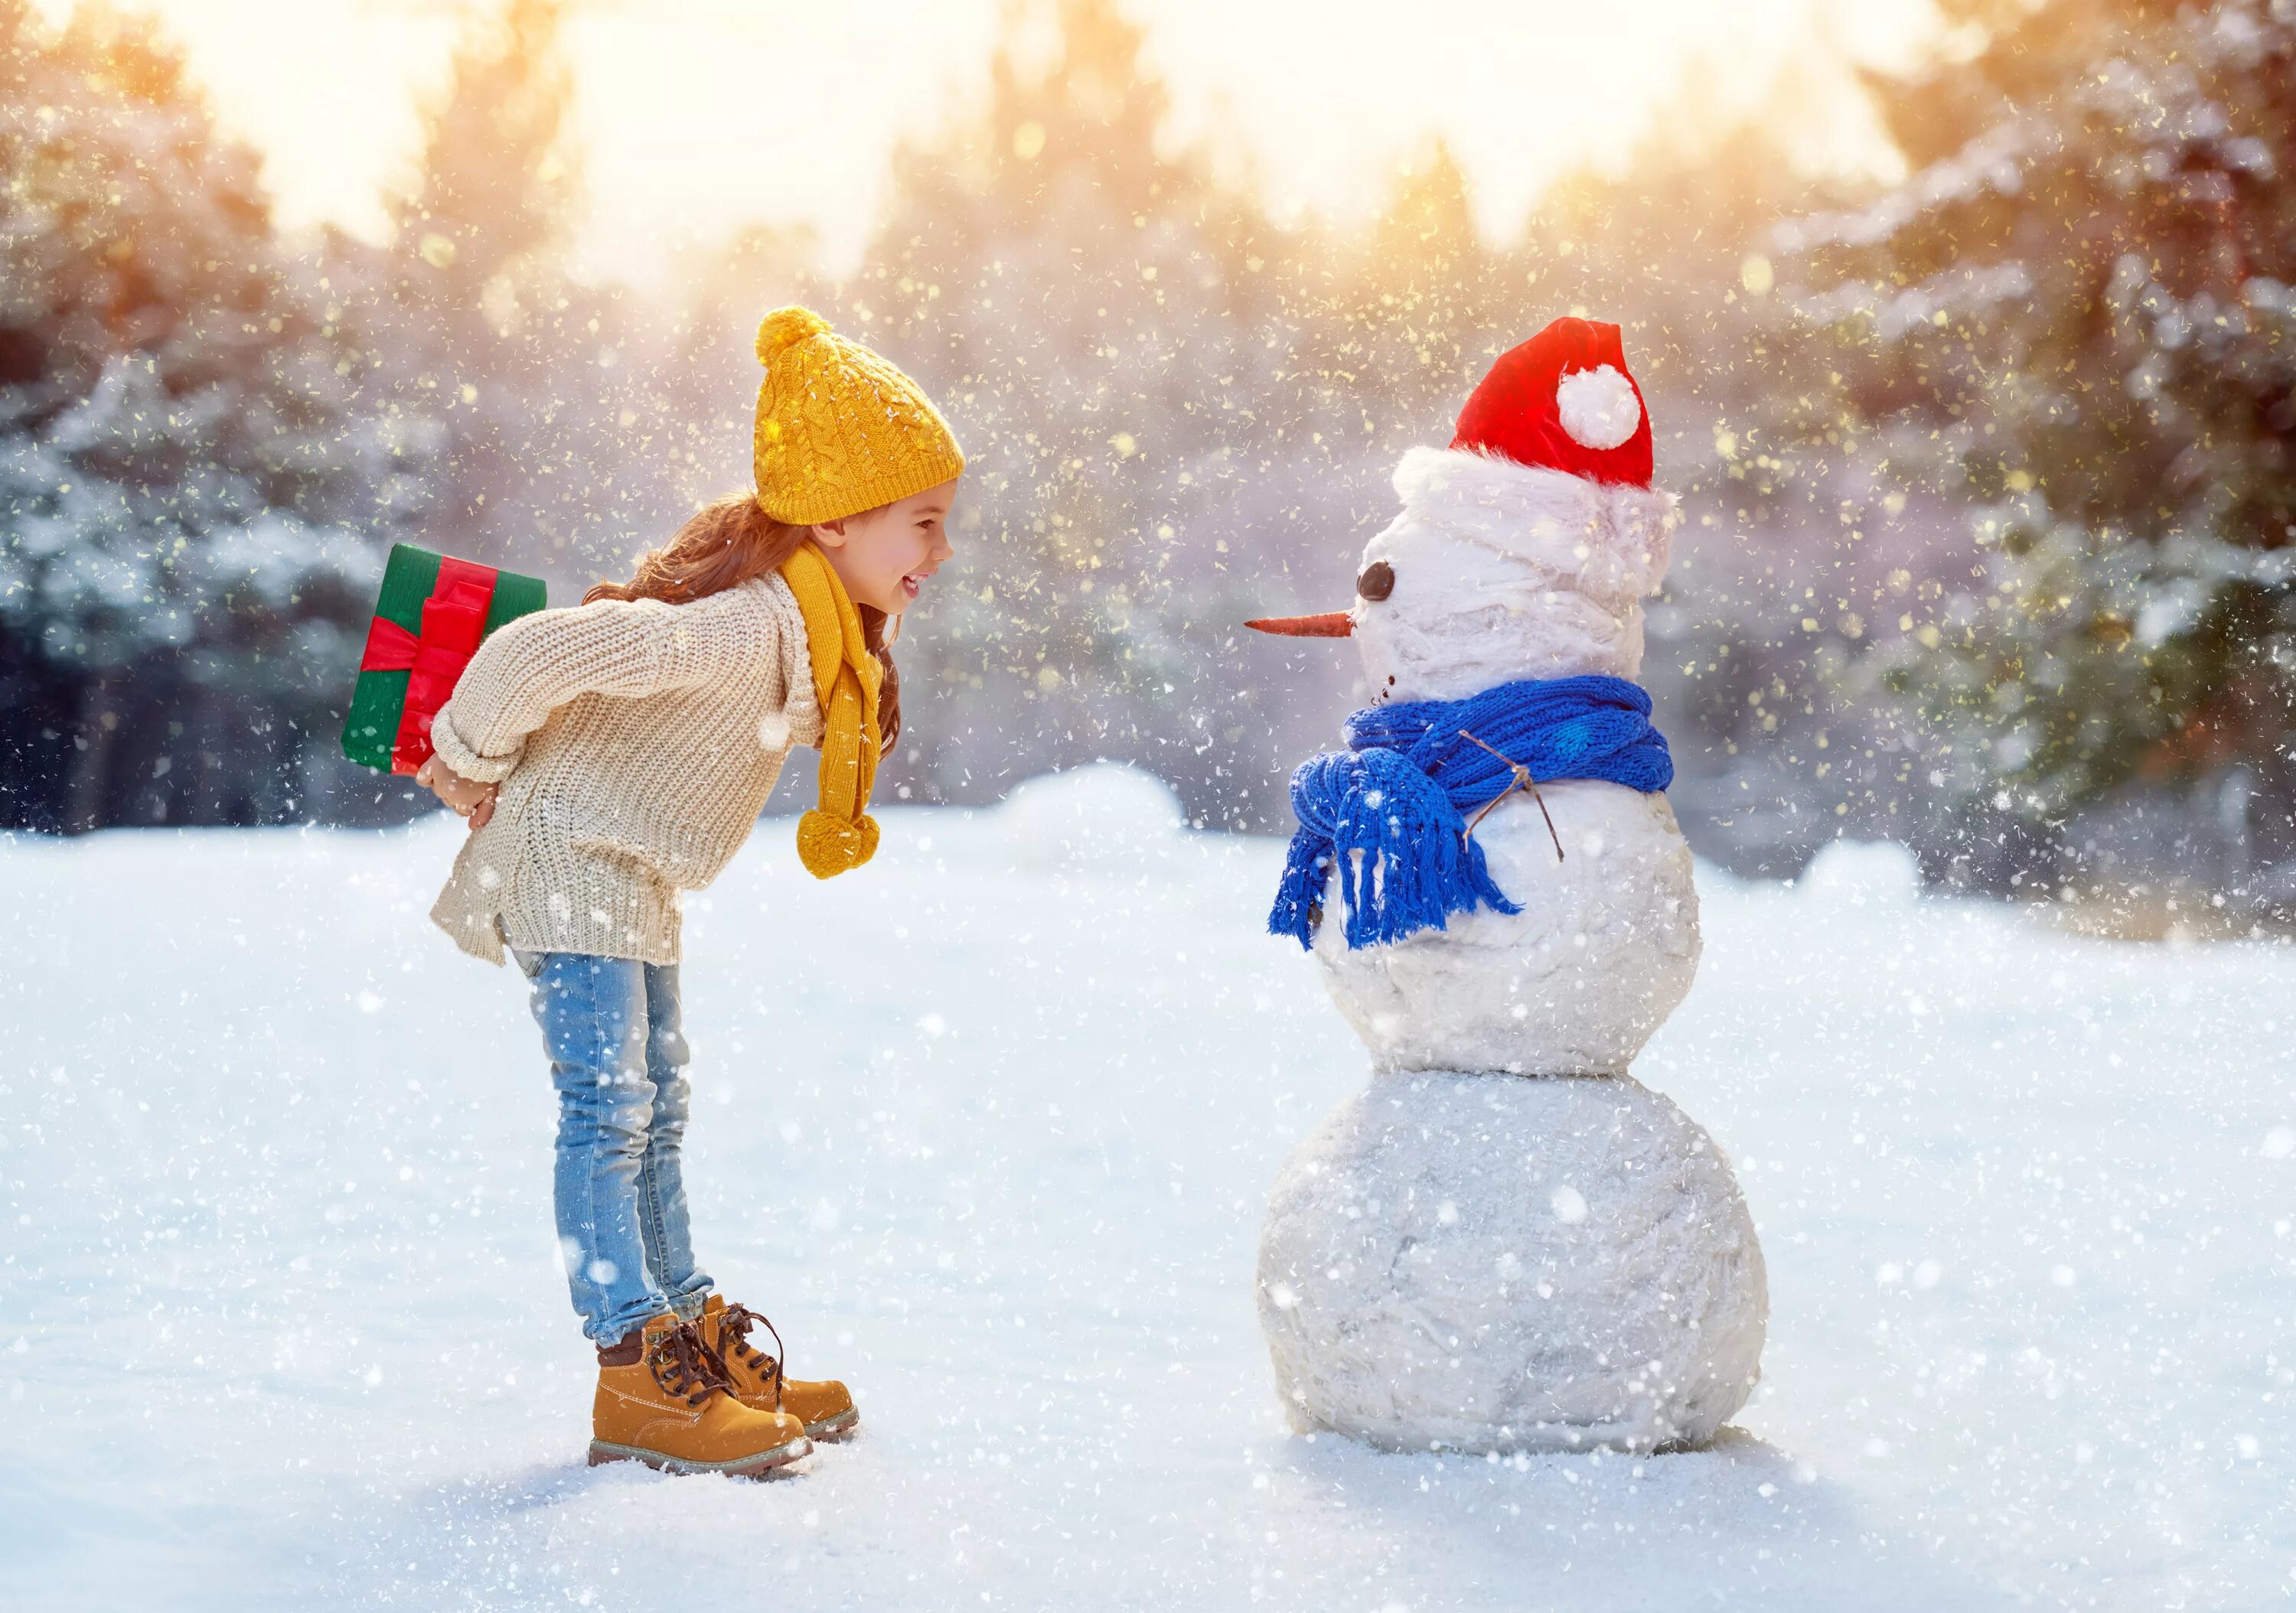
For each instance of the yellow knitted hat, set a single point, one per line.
(840, 430)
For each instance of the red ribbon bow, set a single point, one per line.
(454, 621)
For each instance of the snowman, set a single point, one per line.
(1505, 1242)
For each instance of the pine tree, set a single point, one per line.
(195, 482)
(497, 347)
(2076, 312)
(497, 177)
(1090, 310)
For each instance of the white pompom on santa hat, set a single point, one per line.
(1599, 407)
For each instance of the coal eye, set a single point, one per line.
(1377, 582)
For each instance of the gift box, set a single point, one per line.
(434, 612)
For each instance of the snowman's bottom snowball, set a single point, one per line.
(1508, 1262)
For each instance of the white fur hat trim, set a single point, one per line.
(1598, 406)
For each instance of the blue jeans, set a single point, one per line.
(609, 1025)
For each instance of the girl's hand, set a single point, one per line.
(466, 798)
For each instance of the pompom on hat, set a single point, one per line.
(1563, 401)
(840, 430)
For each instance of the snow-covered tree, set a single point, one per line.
(195, 480)
(2076, 312)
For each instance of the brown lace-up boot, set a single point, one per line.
(825, 1407)
(663, 1399)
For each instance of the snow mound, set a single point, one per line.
(1882, 873)
(1103, 812)
(1492, 1262)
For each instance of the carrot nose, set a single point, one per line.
(1328, 624)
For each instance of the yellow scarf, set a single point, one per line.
(839, 834)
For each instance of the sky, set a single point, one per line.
(697, 117)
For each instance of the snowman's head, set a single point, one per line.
(1497, 571)
(1525, 549)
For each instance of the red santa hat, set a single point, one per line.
(1563, 401)
(1549, 461)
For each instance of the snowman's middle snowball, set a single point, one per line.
(1605, 947)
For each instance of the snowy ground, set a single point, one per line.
(986, 1128)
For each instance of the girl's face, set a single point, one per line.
(884, 555)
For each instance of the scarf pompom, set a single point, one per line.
(829, 845)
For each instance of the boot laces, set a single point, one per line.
(733, 1324)
(685, 1367)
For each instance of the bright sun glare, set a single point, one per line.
(695, 117)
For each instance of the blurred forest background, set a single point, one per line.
(1989, 518)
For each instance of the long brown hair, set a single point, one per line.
(733, 541)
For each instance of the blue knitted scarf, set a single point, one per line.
(1391, 809)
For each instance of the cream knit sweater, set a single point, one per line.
(636, 744)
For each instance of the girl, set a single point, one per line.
(610, 756)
